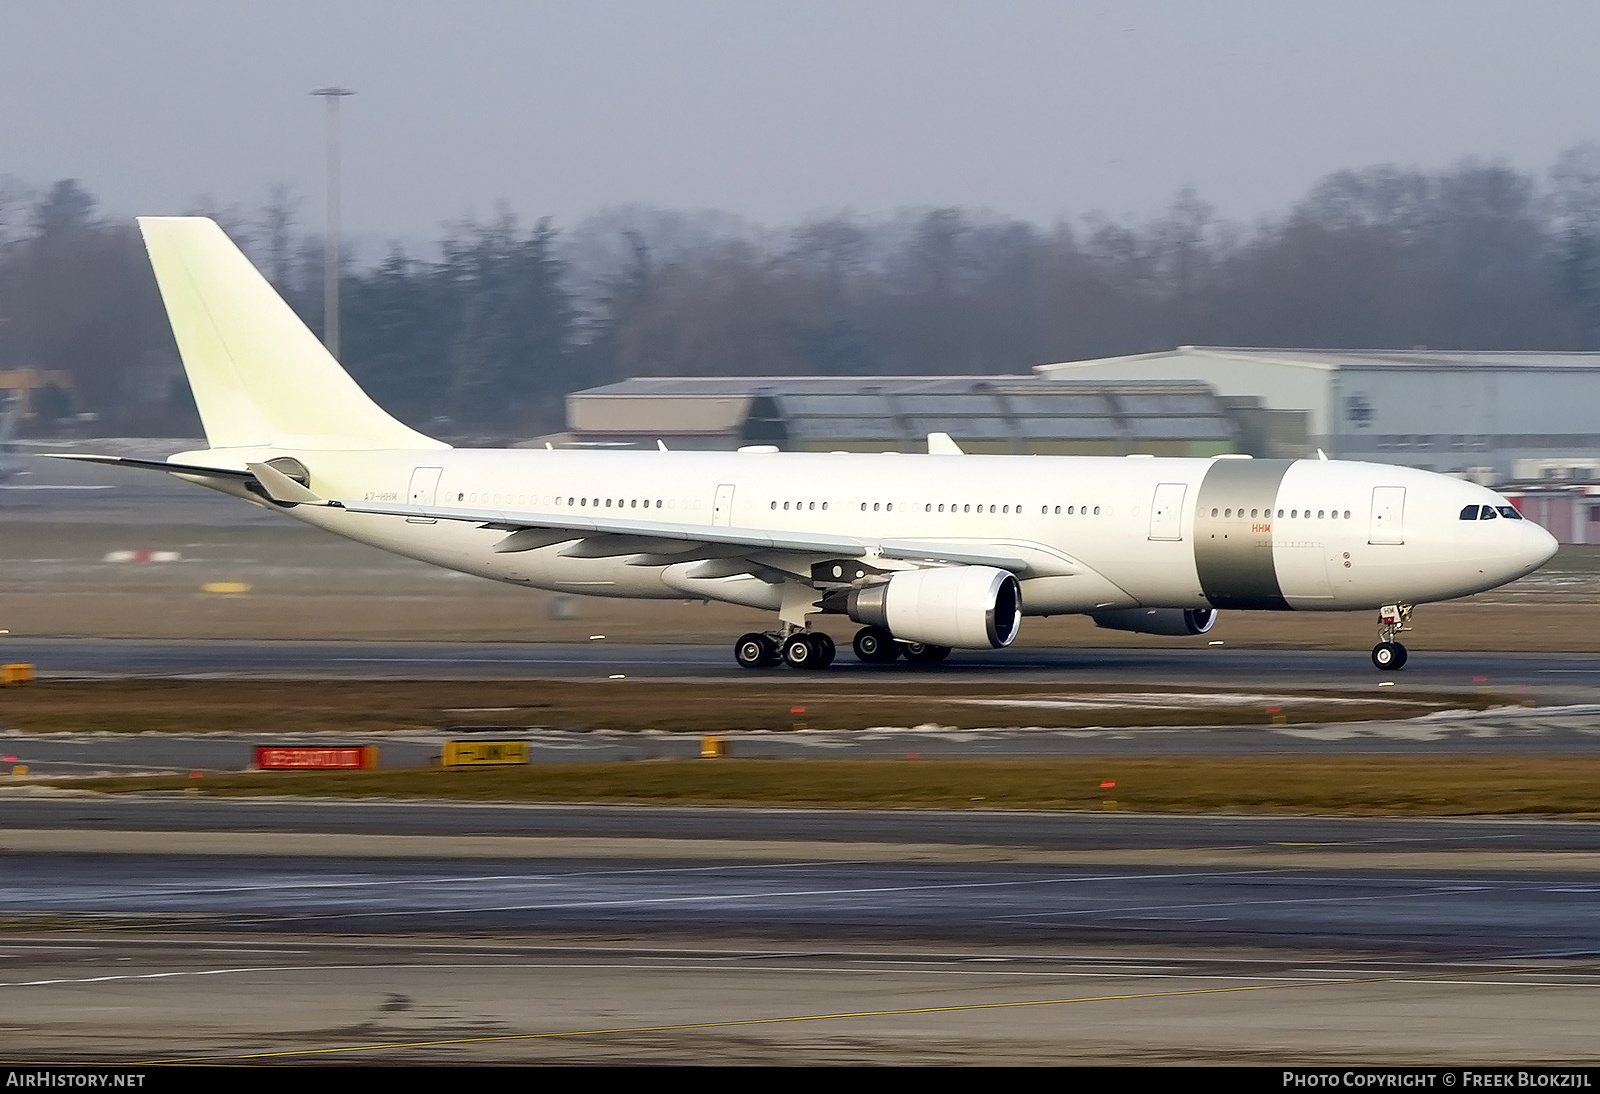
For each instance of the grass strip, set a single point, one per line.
(1372, 785)
(782, 700)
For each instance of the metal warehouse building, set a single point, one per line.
(1015, 414)
(1493, 416)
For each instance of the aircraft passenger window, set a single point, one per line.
(774, 505)
(941, 507)
(890, 507)
(1294, 512)
(786, 505)
(1097, 510)
(1058, 510)
(1280, 512)
(1254, 513)
(1509, 512)
(966, 508)
(1003, 508)
(1072, 510)
(1488, 513)
(1319, 514)
(874, 507)
(1347, 514)
(824, 505)
(928, 508)
(863, 507)
(583, 501)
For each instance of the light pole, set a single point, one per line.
(330, 259)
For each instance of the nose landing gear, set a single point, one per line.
(1389, 654)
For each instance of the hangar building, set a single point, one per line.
(1494, 416)
(1005, 414)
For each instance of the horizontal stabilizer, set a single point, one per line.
(196, 469)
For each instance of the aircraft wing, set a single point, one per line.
(603, 536)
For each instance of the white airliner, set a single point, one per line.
(928, 552)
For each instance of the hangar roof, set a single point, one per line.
(811, 410)
(1328, 360)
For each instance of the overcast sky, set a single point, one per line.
(775, 110)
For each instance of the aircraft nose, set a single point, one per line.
(1538, 546)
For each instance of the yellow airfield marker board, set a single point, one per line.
(478, 753)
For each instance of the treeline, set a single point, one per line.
(485, 330)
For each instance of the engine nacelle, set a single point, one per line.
(1181, 622)
(964, 607)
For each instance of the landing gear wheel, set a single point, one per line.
(807, 651)
(755, 651)
(1389, 655)
(875, 645)
(919, 654)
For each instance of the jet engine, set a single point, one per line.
(1181, 622)
(963, 607)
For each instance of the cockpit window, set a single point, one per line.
(1488, 513)
(1470, 513)
(1508, 511)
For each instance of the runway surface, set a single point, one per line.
(1573, 676)
(677, 935)
(1533, 916)
(983, 828)
(298, 998)
(123, 959)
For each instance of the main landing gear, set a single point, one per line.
(1388, 654)
(876, 646)
(798, 650)
(802, 649)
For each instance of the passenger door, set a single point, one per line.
(424, 490)
(722, 509)
(1388, 515)
(1166, 511)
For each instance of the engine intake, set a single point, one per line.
(964, 607)
(1181, 622)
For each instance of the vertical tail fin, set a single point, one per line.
(259, 376)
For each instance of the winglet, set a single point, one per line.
(940, 444)
(281, 488)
